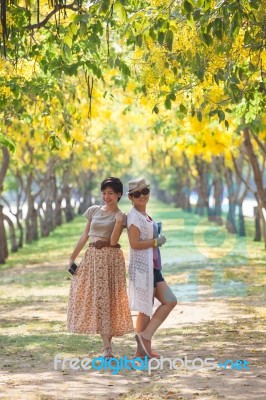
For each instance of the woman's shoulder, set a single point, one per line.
(132, 211)
(94, 207)
(133, 218)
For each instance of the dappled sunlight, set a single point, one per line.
(219, 314)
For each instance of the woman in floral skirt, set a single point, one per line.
(98, 302)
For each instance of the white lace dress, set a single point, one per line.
(140, 271)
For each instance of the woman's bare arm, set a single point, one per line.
(134, 239)
(80, 244)
(118, 228)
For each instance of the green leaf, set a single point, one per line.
(207, 5)
(68, 40)
(152, 34)
(188, 6)
(54, 142)
(216, 78)
(139, 40)
(169, 40)
(66, 53)
(167, 103)
(212, 113)
(254, 4)
(197, 14)
(83, 30)
(183, 109)
(172, 96)
(6, 142)
(120, 11)
(247, 38)
(207, 39)
(73, 28)
(251, 67)
(235, 92)
(218, 28)
(221, 115)
(236, 24)
(234, 79)
(105, 4)
(161, 38)
(199, 116)
(155, 109)
(221, 74)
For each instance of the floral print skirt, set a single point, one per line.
(98, 301)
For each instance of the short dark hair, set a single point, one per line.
(113, 183)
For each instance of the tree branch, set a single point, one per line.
(241, 177)
(73, 6)
(259, 143)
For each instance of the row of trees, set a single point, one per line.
(175, 88)
(53, 184)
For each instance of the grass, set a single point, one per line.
(34, 284)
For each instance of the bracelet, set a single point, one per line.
(155, 244)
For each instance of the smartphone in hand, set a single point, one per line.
(73, 268)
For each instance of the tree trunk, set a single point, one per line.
(58, 212)
(21, 232)
(31, 220)
(43, 222)
(231, 215)
(258, 177)
(218, 191)
(3, 239)
(85, 201)
(186, 189)
(35, 234)
(241, 221)
(203, 188)
(19, 206)
(58, 218)
(257, 237)
(66, 193)
(86, 184)
(12, 234)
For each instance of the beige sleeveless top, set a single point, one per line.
(102, 222)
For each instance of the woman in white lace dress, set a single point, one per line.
(145, 276)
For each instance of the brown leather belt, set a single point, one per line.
(99, 244)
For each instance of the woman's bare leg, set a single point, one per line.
(168, 301)
(142, 322)
(106, 341)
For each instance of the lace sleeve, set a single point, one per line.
(132, 219)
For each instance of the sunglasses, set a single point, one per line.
(137, 194)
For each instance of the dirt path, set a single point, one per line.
(33, 332)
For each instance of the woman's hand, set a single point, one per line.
(119, 223)
(161, 240)
(70, 262)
